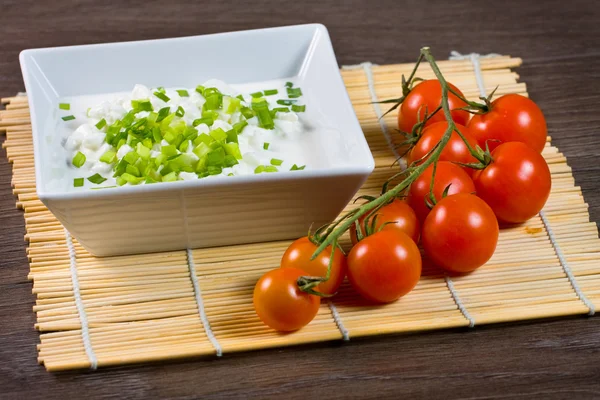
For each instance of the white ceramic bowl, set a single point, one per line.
(205, 212)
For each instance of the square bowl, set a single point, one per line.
(205, 212)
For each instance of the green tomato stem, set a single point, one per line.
(333, 235)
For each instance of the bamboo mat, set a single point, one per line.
(147, 307)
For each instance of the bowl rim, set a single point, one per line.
(363, 169)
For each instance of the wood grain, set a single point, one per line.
(560, 45)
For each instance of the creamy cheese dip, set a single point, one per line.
(287, 146)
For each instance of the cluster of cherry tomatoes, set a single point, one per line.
(491, 174)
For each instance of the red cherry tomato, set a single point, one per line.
(511, 118)
(428, 94)
(384, 266)
(445, 174)
(516, 184)
(298, 256)
(397, 216)
(460, 233)
(456, 150)
(279, 302)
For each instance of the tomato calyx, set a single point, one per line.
(484, 158)
(474, 107)
(412, 138)
(431, 201)
(407, 86)
(308, 283)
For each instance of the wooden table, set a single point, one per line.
(560, 44)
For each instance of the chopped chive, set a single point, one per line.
(96, 178)
(297, 168)
(214, 99)
(134, 180)
(275, 161)
(230, 174)
(141, 105)
(256, 95)
(218, 134)
(233, 149)
(108, 157)
(289, 84)
(271, 92)
(297, 108)
(169, 150)
(230, 160)
(130, 169)
(128, 118)
(259, 169)
(271, 168)
(64, 106)
(231, 104)
(162, 96)
(79, 159)
(161, 89)
(170, 177)
(78, 182)
(239, 126)
(232, 136)
(163, 113)
(279, 109)
(101, 124)
(261, 108)
(214, 170)
(68, 118)
(180, 112)
(294, 92)
(266, 145)
(183, 93)
(206, 120)
(131, 157)
(247, 112)
(239, 96)
(142, 151)
(286, 102)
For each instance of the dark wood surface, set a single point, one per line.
(560, 44)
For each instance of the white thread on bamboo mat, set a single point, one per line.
(458, 302)
(565, 266)
(200, 304)
(366, 66)
(474, 57)
(85, 332)
(338, 321)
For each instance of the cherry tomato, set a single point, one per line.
(516, 184)
(384, 266)
(428, 94)
(298, 256)
(445, 174)
(460, 233)
(455, 149)
(279, 302)
(511, 118)
(397, 216)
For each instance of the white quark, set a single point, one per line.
(290, 141)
